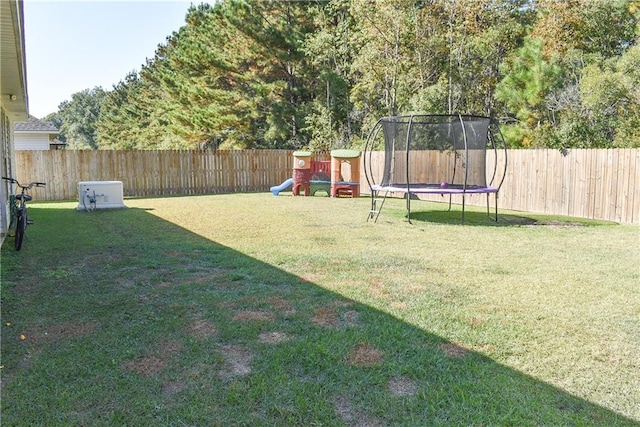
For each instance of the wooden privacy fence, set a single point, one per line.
(598, 184)
(156, 172)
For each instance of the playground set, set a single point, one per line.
(311, 176)
(412, 156)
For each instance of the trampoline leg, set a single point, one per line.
(463, 199)
(488, 211)
(374, 195)
(495, 200)
(409, 207)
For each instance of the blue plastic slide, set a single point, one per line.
(278, 188)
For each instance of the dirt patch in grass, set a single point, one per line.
(170, 388)
(326, 316)
(364, 354)
(228, 304)
(237, 361)
(168, 348)
(201, 329)
(331, 317)
(273, 337)
(254, 315)
(351, 318)
(311, 277)
(476, 322)
(205, 276)
(378, 289)
(149, 366)
(153, 365)
(485, 348)
(59, 332)
(453, 350)
(281, 304)
(165, 284)
(175, 254)
(346, 410)
(402, 386)
(68, 330)
(398, 305)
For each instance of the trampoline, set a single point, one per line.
(452, 155)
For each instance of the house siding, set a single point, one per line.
(14, 102)
(7, 168)
(31, 141)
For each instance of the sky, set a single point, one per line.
(76, 45)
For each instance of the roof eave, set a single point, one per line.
(43, 132)
(13, 84)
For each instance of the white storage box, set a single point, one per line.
(100, 195)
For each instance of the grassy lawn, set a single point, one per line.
(250, 309)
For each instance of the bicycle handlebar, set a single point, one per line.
(26, 187)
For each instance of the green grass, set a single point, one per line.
(250, 309)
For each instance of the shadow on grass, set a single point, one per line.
(476, 216)
(129, 319)
(504, 220)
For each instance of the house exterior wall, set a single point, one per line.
(31, 141)
(6, 168)
(14, 100)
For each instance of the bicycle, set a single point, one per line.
(18, 210)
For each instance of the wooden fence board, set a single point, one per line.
(619, 189)
(580, 182)
(613, 184)
(600, 184)
(633, 211)
(569, 178)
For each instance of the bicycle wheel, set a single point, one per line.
(21, 228)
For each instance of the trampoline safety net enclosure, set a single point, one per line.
(434, 154)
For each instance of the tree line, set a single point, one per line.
(318, 74)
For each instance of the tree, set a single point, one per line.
(129, 118)
(439, 56)
(320, 73)
(528, 79)
(481, 35)
(382, 34)
(200, 95)
(78, 118)
(277, 71)
(605, 28)
(56, 120)
(605, 107)
(583, 38)
(234, 76)
(331, 121)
